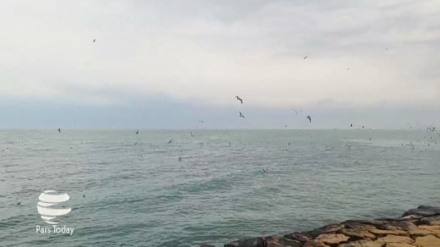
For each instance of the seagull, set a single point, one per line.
(239, 99)
(137, 132)
(201, 121)
(180, 159)
(264, 171)
(170, 141)
(296, 112)
(191, 134)
(59, 130)
(289, 143)
(351, 125)
(306, 57)
(19, 203)
(94, 40)
(309, 118)
(241, 115)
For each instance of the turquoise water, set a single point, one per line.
(137, 193)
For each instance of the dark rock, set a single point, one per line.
(207, 245)
(354, 223)
(436, 210)
(432, 220)
(274, 241)
(420, 212)
(250, 242)
(298, 236)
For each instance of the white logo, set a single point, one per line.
(47, 206)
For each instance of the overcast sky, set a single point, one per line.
(168, 64)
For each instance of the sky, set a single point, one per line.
(169, 64)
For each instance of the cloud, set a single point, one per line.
(210, 51)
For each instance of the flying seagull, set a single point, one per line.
(94, 40)
(351, 125)
(296, 112)
(191, 134)
(201, 121)
(306, 57)
(239, 99)
(170, 141)
(137, 132)
(59, 130)
(241, 115)
(309, 118)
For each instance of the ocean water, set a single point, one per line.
(137, 192)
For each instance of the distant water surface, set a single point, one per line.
(137, 193)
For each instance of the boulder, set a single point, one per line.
(332, 238)
(274, 241)
(362, 243)
(250, 242)
(396, 239)
(358, 233)
(428, 241)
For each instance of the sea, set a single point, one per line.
(128, 189)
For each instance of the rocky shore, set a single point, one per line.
(418, 227)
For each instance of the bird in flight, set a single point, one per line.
(201, 121)
(306, 57)
(241, 115)
(351, 125)
(239, 99)
(191, 134)
(170, 141)
(309, 118)
(137, 132)
(296, 112)
(59, 130)
(94, 40)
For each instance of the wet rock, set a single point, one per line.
(332, 238)
(420, 212)
(358, 233)
(433, 220)
(298, 236)
(428, 241)
(274, 241)
(436, 210)
(396, 239)
(401, 225)
(315, 244)
(353, 223)
(207, 245)
(251, 242)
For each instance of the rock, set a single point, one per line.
(315, 244)
(250, 242)
(362, 243)
(433, 229)
(401, 225)
(376, 223)
(431, 208)
(396, 239)
(332, 238)
(207, 245)
(297, 236)
(398, 245)
(359, 233)
(433, 220)
(273, 241)
(427, 241)
(388, 232)
(420, 212)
